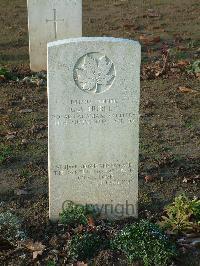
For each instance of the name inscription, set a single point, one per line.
(87, 112)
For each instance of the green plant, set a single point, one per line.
(86, 246)
(6, 74)
(5, 152)
(195, 205)
(10, 227)
(25, 173)
(178, 55)
(188, 124)
(144, 199)
(194, 68)
(144, 242)
(74, 214)
(51, 263)
(183, 214)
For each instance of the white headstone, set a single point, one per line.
(94, 92)
(51, 20)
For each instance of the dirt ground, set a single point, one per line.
(169, 127)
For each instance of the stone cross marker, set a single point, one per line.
(93, 93)
(51, 20)
(55, 23)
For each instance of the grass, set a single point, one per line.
(5, 153)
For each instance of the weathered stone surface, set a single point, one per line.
(51, 20)
(93, 92)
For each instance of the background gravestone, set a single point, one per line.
(51, 20)
(93, 92)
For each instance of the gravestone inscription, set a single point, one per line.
(93, 94)
(51, 20)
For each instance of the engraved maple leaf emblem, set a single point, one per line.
(95, 74)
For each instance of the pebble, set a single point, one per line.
(26, 111)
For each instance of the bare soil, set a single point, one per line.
(169, 125)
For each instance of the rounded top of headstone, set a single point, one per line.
(94, 39)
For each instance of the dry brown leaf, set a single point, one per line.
(182, 48)
(36, 247)
(81, 263)
(182, 63)
(148, 178)
(91, 221)
(80, 228)
(149, 40)
(165, 59)
(129, 24)
(24, 141)
(184, 89)
(198, 75)
(9, 137)
(2, 78)
(36, 254)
